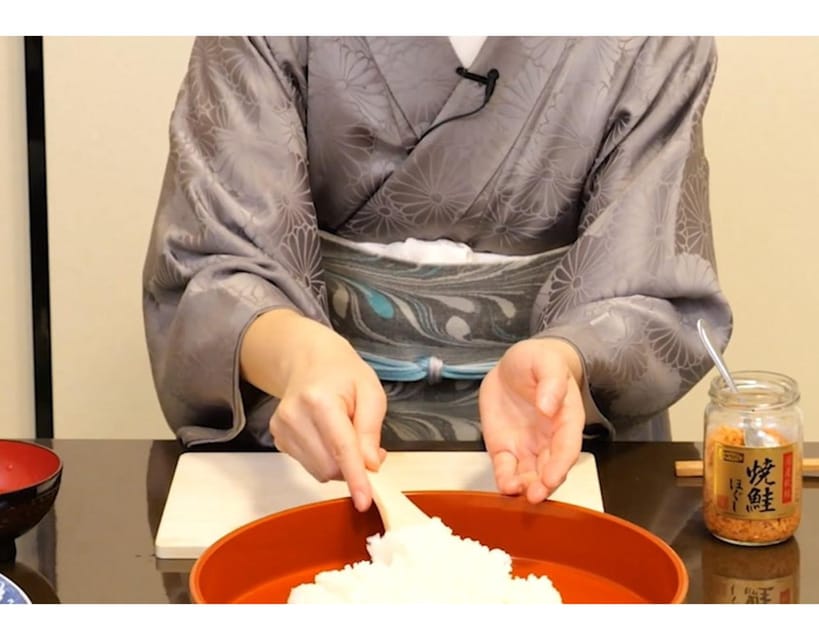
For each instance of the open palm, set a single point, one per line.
(532, 419)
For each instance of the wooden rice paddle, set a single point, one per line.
(396, 509)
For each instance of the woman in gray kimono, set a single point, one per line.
(350, 224)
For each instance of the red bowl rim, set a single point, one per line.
(677, 562)
(47, 479)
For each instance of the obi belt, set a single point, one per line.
(415, 322)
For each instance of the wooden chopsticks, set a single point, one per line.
(693, 468)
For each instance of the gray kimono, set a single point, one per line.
(587, 163)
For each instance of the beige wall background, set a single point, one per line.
(16, 352)
(108, 103)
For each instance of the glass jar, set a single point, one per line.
(752, 459)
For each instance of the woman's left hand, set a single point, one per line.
(532, 416)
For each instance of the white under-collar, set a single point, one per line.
(467, 47)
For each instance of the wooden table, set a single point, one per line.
(96, 545)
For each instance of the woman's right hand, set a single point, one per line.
(331, 402)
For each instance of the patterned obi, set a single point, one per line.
(412, 321)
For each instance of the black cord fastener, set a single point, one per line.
(489, 81)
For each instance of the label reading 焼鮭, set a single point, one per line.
(754, 483)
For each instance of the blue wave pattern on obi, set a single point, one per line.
(414, 322)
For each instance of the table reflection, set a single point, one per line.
(750, 575)
(97, 546)
(34, 567)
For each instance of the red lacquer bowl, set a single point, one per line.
(591, 557)
(30, 476)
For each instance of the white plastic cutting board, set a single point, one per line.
(212, 494)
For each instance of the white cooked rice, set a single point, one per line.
(427, 564)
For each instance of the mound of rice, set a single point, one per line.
(427, 564)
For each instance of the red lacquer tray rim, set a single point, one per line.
(511, 503)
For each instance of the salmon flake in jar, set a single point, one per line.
(752, 459)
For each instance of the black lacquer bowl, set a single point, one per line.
(30, 476)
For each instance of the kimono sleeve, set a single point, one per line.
(235, 231)
(629, 292)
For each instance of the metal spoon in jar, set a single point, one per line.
(753, 437)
